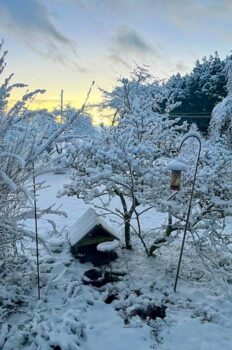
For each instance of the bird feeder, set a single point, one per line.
(176, 167)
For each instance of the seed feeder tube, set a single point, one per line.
(176, 167)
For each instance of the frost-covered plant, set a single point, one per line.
(24, 137)
(211, 203)
(141, 87)
(125, 161)
(45, 331)
(201, 89)
(42, 325)
(82, 127)
(14, 293)
(221, 119)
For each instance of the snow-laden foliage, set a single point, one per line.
(194, 93)
(82, 127)
(202, 88)
(127, 160)
(24, 138)
(41, 325)
(71, 315)
(221, 119)
(211, 200)
(140, 88)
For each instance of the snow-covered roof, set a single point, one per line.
(87, 222)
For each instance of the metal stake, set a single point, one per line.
(190, 204)
(36, 233)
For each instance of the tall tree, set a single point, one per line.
(202, 89)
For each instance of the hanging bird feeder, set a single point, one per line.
(176, 167)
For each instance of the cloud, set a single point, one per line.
(127, 45)
(116, 59)
(29, 21)
(198, 15)
(127, 39)
(191, 16)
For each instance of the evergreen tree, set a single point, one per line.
(202, 89)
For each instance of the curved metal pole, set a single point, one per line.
(190, 203)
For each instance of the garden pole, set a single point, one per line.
(190, 203)
(36, 233)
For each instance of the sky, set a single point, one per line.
(66, 44)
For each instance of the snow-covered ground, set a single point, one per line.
(72, 316)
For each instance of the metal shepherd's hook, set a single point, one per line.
(190, 202)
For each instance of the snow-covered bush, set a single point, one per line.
(221, 119)
(14, 293)
(211, 203)
(26, 323)
(110, 166)
(45, 332)
(127, 160)
(140, 88)
(82, 127)
(24, 138)
(78, 131)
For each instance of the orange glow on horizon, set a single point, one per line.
(49, 103)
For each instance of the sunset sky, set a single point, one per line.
(65, 44)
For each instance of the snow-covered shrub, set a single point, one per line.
(13, 293)
(141, 87)
(44, 331)
(78, 131)
(211, 203)
(24, 138)
(81, 128)
(46, 324)
(221, 119)
(126, 160)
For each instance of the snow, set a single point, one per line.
(220, 124)
(200, 336)
(106, 331)
(85, 224)
(108, 246)
(74, 316)
(191, 134)
(137, 308)
(176, 165)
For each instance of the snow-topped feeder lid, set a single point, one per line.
(176, 165)
(108, 246)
